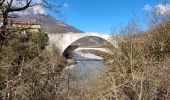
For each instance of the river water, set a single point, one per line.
(87, 65)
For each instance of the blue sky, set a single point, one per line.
(101, 15)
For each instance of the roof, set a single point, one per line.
(26, 22)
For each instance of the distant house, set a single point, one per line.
(28, 25)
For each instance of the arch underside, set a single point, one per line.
(68, 52)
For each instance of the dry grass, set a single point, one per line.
(139, 69)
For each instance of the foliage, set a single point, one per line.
(139, 69)
(27, 70)
(39, 38)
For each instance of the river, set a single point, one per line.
(87, 64)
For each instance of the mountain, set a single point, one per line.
(50, 24)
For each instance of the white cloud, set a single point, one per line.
(38, 9)
(159, 8)
(147, 7)
(162, 9)
(65, 5)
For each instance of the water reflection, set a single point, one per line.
(87, 65)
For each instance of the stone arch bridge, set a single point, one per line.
(63, 41)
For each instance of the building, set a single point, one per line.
(27, 25)
(24, 24)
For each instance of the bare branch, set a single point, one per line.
(12, 9)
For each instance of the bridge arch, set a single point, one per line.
(62, 42)
(71, 46)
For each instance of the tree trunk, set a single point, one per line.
(3, 28)
(5, 23)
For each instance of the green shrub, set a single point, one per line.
(39, 37)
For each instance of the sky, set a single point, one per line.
(102, 16)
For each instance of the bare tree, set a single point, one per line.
(9, 6)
